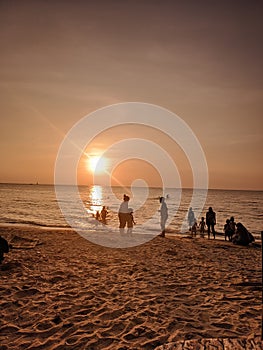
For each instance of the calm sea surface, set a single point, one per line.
(37, 205)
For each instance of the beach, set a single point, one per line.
(59, 291)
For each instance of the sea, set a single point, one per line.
(38, 205)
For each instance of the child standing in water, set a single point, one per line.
(193, 229)
(130, 221)
(103, 215)
(228, 230)
(202, 226)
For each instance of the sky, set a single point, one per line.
(63, 60)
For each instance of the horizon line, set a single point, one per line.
(83, 185)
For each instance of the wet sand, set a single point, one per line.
(59, 291)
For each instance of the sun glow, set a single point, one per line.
(96, 163)
(92, 162)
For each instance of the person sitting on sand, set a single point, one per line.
(202, 226)
(242, 236)
(228, 231)
(4, 248)
(211, 221)
(130, 221)
(164, 215)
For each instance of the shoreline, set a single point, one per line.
(169, 233)
(66, 292)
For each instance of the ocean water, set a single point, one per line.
(37, 205)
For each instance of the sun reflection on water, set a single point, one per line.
(95, 199)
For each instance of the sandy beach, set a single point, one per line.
(59, 291)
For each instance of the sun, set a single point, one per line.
(92, 162)
(95, 163)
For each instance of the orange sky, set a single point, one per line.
(61, 60)
(128, 171)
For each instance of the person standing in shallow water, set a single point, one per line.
(123, 213)
(191, 218)
(202, 227)
(211, 222)
(130, 222)
(164, 215)
(103, 215)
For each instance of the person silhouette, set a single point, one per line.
(232, 225)
(211, 221)
(164, 215)
(4, 248)
(242, 236)
(194, 229)
(123, 213)
(191, 218)
(228, 231)
(130, 221)
(202, 226)
(103, 214)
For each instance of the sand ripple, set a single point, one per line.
(70, 294)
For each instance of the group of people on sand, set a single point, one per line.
(125, 215)
(126, 218)
(209, 221)
(236, 233)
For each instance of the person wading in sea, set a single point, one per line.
(123, 213)
(164, 215)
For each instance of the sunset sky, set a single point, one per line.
(202, 60)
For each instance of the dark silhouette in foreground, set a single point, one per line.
(194, 229)
(228, 231)
(242, 236)
(164, 215)
(123, 213)
(103, 215)
(211, 222)
(130, 221)
(4, 248)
